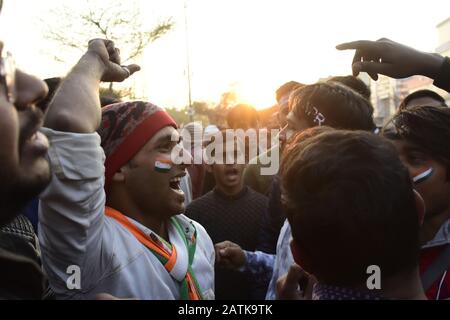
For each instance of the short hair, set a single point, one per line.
(350, 203)
(421, 94)
(287, 88)
(354, 83)
(220, 138)
(301, 136)
(332, 104)
(428, 128)
(242, 113)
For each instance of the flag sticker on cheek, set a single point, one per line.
(423, 176)
(163, 165)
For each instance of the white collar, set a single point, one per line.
(441, 237)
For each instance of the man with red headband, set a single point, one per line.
(110, 220)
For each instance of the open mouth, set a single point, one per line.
(174, 183)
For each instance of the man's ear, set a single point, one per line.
(119, 176)
(420, 206)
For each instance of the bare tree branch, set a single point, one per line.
(120, 23)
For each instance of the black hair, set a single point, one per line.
(351, 205)
(242, 113)
(354, 83)
(241, 147)
(337, 105)
(427, 128)
(287, 88)
(421, 94)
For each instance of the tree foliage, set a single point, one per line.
(203, 112)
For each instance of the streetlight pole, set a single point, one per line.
(188, 64)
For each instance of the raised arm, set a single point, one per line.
(71, 210)
(76, 105)
(396, 60)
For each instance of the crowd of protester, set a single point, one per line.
(92, 205)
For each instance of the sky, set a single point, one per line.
(249, 46)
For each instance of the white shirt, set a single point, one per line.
(283, 259)
(442, 237)
(74, 233)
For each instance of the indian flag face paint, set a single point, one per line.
(423, 176)
(163, 165)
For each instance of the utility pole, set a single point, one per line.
(188, 65)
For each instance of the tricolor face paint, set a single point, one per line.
(163, 165)
(423, 176)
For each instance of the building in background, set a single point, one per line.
(443, 29)
(384, 98)
(387, 93)
(443, 48)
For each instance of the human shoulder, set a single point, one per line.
(201, 202)
(256, 196)
(20, 277)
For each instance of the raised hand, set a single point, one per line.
(110, 56)
(70, 111)
(392, 59)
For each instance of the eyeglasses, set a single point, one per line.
(8, 76)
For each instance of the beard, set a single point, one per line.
(17, 194)
(21, 182)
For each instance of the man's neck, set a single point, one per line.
(404, 286)
(159, 226)
(151, 220)
(432, 224)
(154, 223)
(230, 192)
